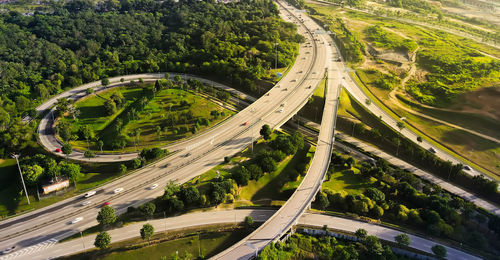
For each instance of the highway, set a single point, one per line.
(200, 219)
(287, 216)
(51, 143)
(205, 151)
(53, 222)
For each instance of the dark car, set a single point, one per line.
(8, 250)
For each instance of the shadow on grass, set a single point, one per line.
(273, 189)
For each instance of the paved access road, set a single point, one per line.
(50, 142)
(53, 222)
(197, 220)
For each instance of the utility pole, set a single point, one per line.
(276, 56)
(199, 245)
(83, 242)
(21, 174)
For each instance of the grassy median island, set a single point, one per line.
(181, 244)
(142, 115)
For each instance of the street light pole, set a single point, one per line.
(21, 174)
(83, 242)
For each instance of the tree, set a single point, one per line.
(71, 170)
(373, 246)
(105, 82)
(158, 132)
(100, 143)
(400, 125)
(122, 168)
(89, 91)
(32, 173)
(402, 239)
(266, 132)
(110, 107)
(102, 240)
(375, 194)
(267, 164)
(190, 195)
(106, 216)
(147, 209)
(67, 149)
(88, 133)
(241, 176)
(147, 231)
(248, 221)
(62, 106)
(255, 171)
(439, 251)
(419, 139)
(361, 233)
(321, 200)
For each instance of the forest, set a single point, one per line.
(43, 54)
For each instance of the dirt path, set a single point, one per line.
(392, 97)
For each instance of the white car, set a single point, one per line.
(90, 194)
(76, 220)
(281, 110)
(467, 168)
(154, 186)
(85, 203)
(432, 150)
(118, 190)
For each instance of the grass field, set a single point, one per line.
(186, 247)
(349, 181)
(154, 114)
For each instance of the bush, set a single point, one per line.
(89, 154)
(150, 154)
(248, 221)
(439, 251)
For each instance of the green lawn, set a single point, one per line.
(186, 247)
(349, 181)
(154, 114)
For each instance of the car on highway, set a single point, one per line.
(105, 204)
(85, 203)
(8, 250)
(90, 194)
(187, 155)
(245, 124)
(152, 187)
(281, 110)
(165, 165)
(432, 150)
(293, 80)
(58, 150)
(467, 167)
(118, 190)
(76, 220)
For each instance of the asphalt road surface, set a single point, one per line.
(53, 249)
(201, 154)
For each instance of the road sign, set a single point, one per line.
(279, 74)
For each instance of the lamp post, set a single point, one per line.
(16, 156)
(83, 242)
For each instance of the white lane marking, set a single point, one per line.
(29, 250)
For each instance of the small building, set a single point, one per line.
(46, 189)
